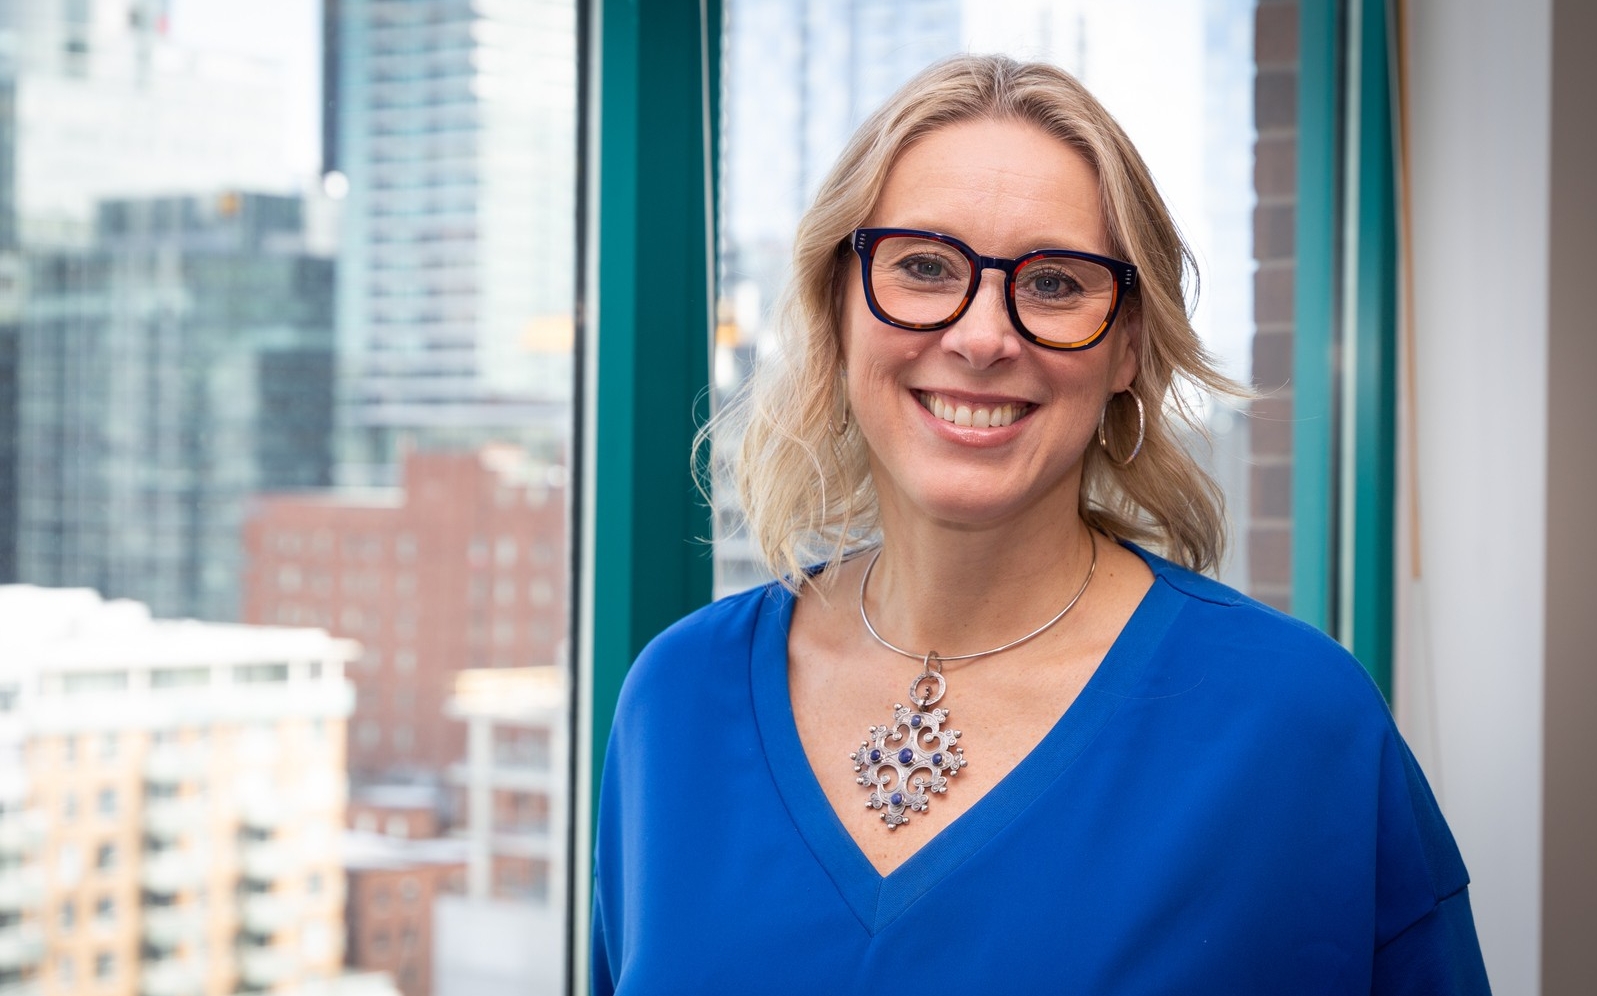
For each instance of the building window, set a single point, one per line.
(104, 965)
(505, 551)
(67, 917)
(542, 592)
(105, 910)
(106, 802)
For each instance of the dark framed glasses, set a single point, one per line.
(925, 281)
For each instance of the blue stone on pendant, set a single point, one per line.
(897, 799)
(876, 756)
(937, 759)
(914, 720)
(905, 756)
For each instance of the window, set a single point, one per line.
(106, 802)
(255, 674)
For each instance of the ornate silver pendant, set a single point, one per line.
(906, 761)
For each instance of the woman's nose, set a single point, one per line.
(984, 334)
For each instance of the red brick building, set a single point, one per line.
(463, 566)
(393, 885)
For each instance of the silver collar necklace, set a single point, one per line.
(911, 757)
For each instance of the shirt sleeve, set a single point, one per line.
(600, 979)
(1425, 941)
(1436, 956)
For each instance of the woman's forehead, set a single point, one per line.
(1005, 186)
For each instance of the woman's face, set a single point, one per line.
(1004, 188)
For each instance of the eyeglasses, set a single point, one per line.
(1057, 298)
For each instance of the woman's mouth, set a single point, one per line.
(979, 416)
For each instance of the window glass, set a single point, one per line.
(1179, 75)
(286, 361)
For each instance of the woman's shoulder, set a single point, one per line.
(706, 648)
(1278, 657)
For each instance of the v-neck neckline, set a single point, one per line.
(876, 899)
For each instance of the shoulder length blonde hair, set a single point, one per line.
(806, 490)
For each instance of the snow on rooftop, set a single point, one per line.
(363, 849)
(63, 628)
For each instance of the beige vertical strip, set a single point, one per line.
(1405, 249)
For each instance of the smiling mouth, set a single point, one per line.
(974, 416)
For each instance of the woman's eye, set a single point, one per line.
(926, 267)
(1052, 284)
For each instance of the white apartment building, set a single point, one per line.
(172, 796)
(506, 936)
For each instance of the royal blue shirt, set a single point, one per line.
(1226, 808)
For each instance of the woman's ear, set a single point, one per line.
(1130, 359)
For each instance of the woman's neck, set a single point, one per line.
(959, 591)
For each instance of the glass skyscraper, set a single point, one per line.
(454, 124)
(179, 365)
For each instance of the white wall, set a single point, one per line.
(1472, 628)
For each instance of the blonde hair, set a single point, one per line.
(806, 490)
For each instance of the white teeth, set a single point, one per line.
(978, 417)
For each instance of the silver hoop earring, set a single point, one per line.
(836, 429)
(1142, 431)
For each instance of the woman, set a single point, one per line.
(988, 744)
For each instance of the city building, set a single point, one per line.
(21, 850)
(183, 791)
(178, 366)
(99, 82)
(513, 781)
(454, 129)
(463, 566)
(10, 332)
(505, 933)
(394, 882)
(10, 387)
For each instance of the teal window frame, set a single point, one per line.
(643, 555)
(1344, 488)
(650, 142)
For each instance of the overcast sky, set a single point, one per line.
(286, 32)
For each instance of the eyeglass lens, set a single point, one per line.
(924, 282)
